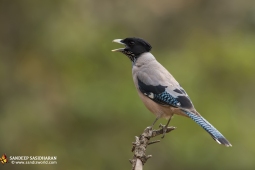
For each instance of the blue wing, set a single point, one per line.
(161, 94)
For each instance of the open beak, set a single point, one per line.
(118, 41)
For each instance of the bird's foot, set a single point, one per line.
(164, 129)
(150, 127)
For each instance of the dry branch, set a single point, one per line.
(140, 144)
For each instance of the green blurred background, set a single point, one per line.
(64, 93)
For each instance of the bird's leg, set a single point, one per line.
(164, 128)
(157, 118)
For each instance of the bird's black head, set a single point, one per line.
(134, 47)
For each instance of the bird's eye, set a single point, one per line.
(131, 43)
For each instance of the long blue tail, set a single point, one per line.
(216, 135)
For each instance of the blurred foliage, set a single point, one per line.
(64, 93)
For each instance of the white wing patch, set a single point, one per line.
(150, 95)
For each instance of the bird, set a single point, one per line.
(158, 89)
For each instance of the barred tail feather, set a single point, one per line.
(216, 135)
